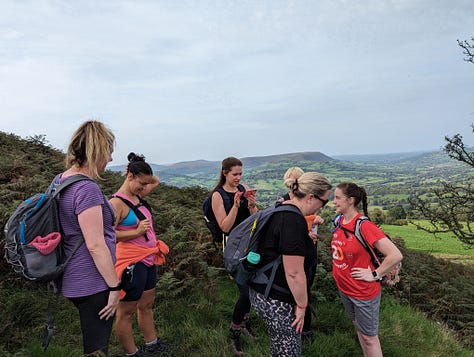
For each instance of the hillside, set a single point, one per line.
(388, 184)
(211, 167)
(389, 178)
(195, 296)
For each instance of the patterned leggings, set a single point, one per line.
(278, 317)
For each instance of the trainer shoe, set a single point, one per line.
(155, 348)
(235, 341)
(247, 328)
(139, 353)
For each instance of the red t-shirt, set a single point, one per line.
(348, 253)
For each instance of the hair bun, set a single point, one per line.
(134, 157)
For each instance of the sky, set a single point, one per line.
(187, 80)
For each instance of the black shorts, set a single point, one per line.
(137, 280)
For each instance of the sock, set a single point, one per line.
(131, 354)
(152, 342)
(235, 326)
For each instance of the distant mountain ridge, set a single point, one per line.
(205, 167)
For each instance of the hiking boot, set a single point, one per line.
(247, 328)
(235, 341)
(155, 348)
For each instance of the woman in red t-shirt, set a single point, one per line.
(356, 278)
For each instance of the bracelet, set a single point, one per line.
(116, 288)
(301, 307)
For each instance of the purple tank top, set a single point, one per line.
(81, 277)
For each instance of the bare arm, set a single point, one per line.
(225, 221)
(296, 279)
(151, 186)
(391, 253)
(392, 256)
(91, 223)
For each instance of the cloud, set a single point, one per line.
(207, 79)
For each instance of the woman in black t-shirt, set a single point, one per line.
(243, 206)
(287, 235)
(292, 173)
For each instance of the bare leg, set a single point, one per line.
(146, 322)
(370, 345)
(123, 327)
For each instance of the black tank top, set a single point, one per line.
(243, 211)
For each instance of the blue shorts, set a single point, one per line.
(364, 313)
(138, 279)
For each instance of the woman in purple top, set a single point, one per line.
(90, 280)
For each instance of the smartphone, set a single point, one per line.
(249, 192)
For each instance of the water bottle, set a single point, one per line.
(250, 261)
(247, 268)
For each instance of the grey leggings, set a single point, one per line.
(278, 316)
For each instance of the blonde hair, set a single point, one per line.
(292, 173)
(91, 144)
(309, 183)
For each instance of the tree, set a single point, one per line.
(377, 216)
(397, 212)
(468, 49)
(453, 210)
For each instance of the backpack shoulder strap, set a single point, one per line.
(144, 203)
(335, 223)
(358, 232)
(287, 208)
(225, 199)
(132, 206)
(135, 209)
(363, 242)
(55, 188)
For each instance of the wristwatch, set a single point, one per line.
(116, 288)
(376, 276)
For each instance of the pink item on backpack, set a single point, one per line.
(45, 245)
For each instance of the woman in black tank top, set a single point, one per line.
(238, 205)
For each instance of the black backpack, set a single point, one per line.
(210, 219)
(32, 231)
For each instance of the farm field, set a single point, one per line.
(442, 246)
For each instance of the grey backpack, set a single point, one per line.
(33, 235)
(245, 238)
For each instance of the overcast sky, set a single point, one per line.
(186, 80)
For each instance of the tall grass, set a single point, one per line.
(195, 325)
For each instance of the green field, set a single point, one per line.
(444, 245)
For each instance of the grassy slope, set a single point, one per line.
(197, 326)
(194, 300)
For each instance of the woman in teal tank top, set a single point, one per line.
(134, 228)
